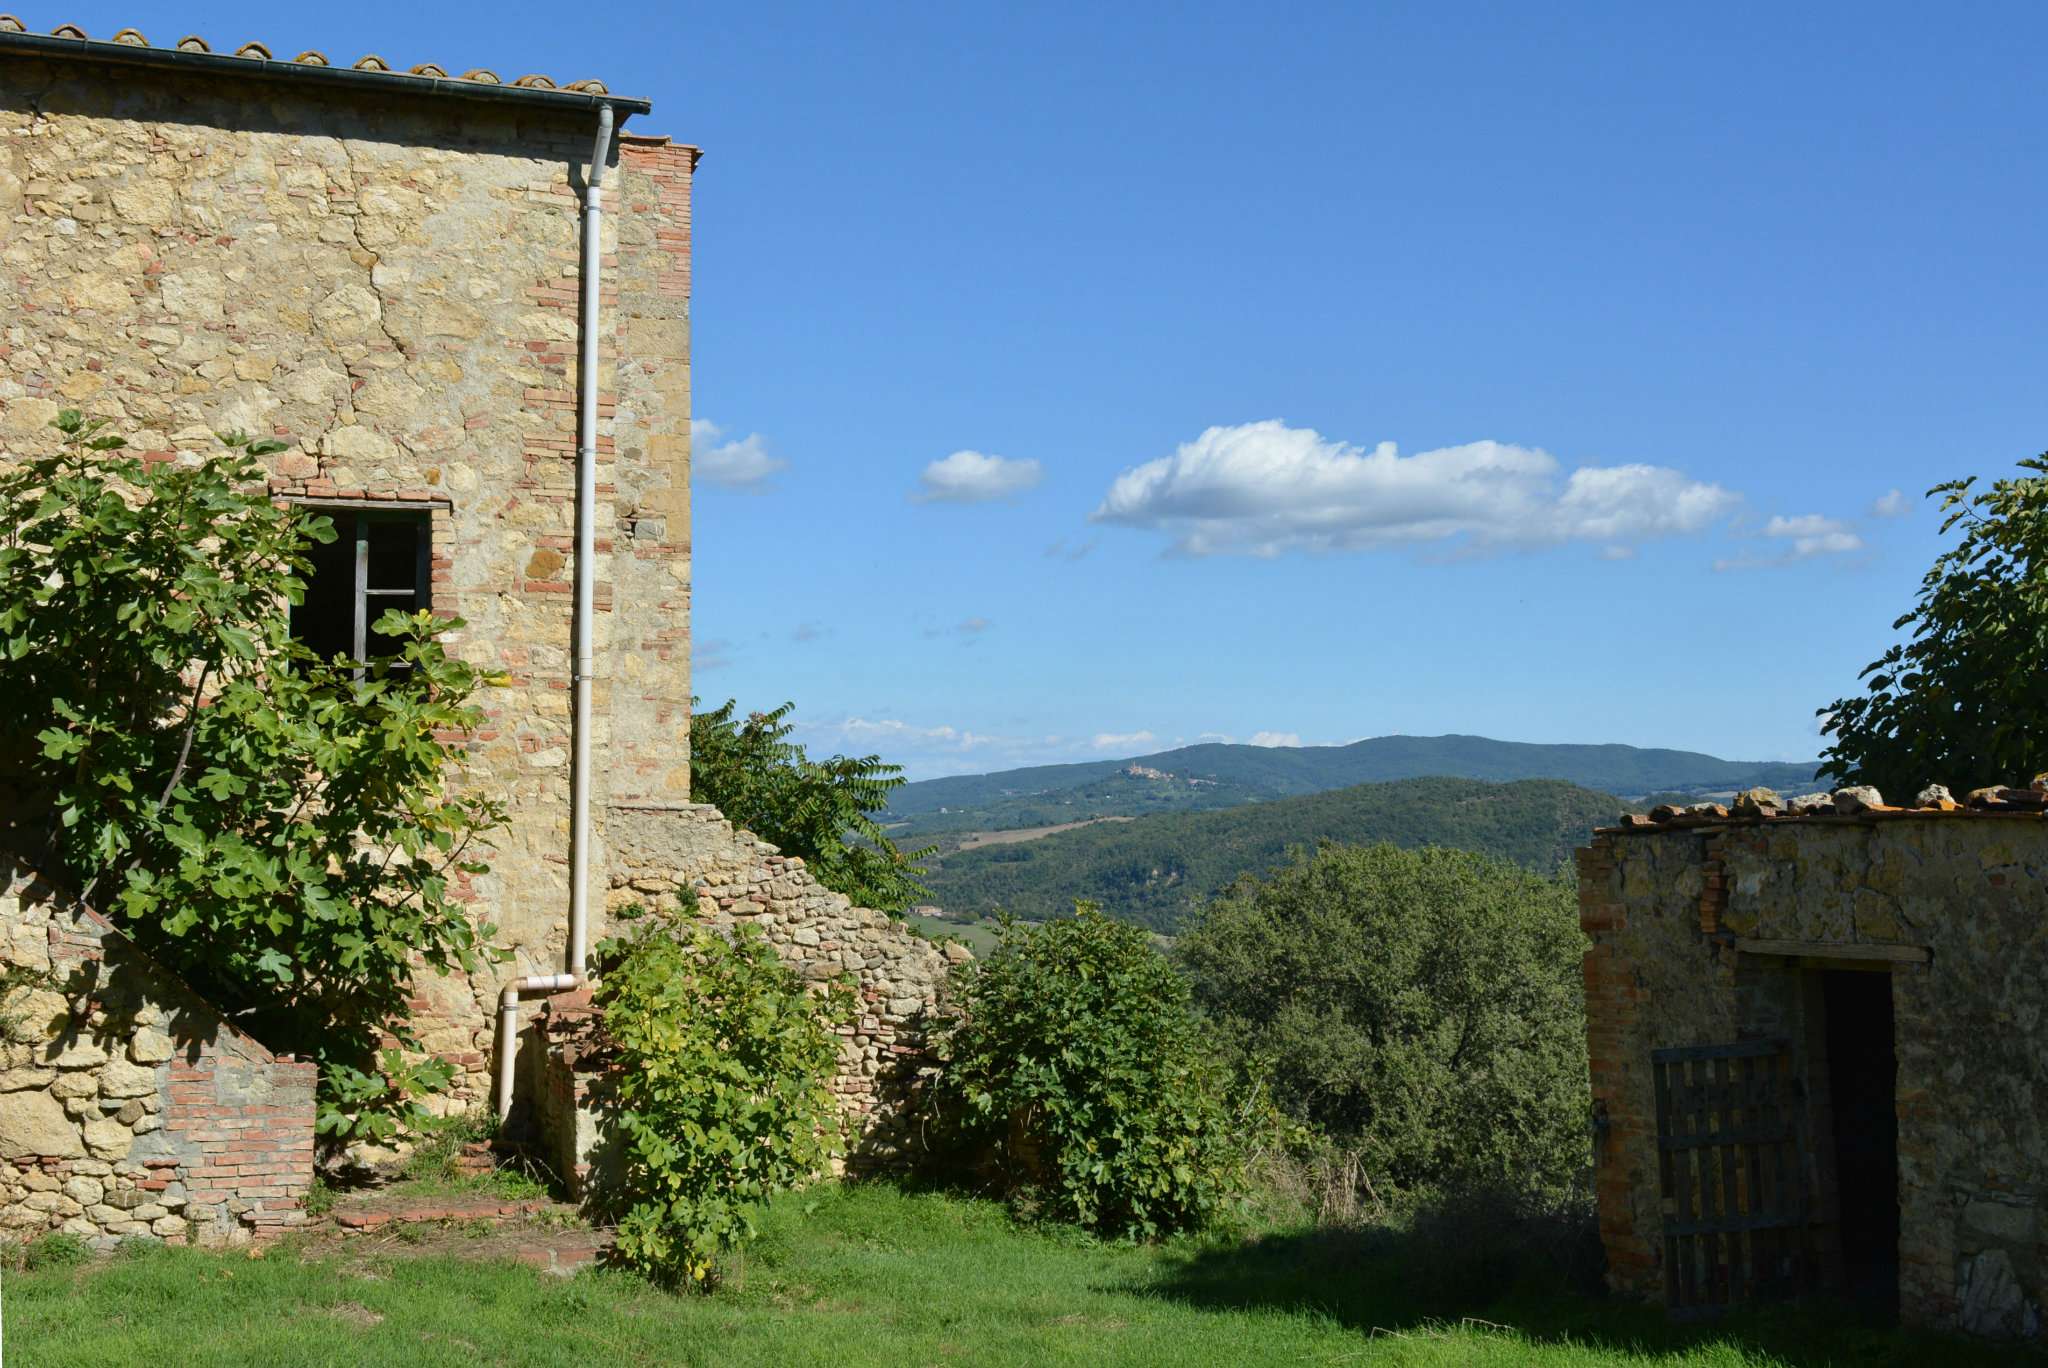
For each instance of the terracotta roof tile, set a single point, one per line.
(257, 51)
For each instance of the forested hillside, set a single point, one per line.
(1196, 778)
(1154, 869)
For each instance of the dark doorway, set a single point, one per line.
(1863, 1074)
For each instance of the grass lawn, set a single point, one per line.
(871, 1275)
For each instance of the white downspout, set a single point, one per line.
(586, 545)
(542, 985)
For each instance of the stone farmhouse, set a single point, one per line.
(463, 302)
(1819, 1054)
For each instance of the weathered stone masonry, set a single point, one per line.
(388, 281)
(1708, 929)
(127, 1106)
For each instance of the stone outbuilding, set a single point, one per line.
(1819, 1048)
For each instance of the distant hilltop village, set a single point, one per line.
(1147, 772)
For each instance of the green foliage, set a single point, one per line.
(376, 1103)
(56, 1249)
(1156, 870)
(281, 830)
(721, 1088)
(1072, 1056)
(1963, 701)
(1425, 1005)
(818, 809)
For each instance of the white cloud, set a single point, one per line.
(1813, 535)
(743, 463)
(1123, 740)
(1273, 738)
(711, 653)
(889, 729)
(971, 477)
(928, 751)
(1265, 488)
(1892, 504)
(1803, 538)
(806, 632)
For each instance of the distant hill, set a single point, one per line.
(1155, 869)
(1199, 778)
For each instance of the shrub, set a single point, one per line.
(1424, 1006)
(283, 831)
(720, 1088)
(1073, 1060)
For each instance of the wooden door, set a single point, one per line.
(1732, 1166)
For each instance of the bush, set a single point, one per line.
(719, 1092)
(1423, 1006)
(284, 832)
(1073, 1061)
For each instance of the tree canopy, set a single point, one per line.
(1963, 699)
(1425, 1005)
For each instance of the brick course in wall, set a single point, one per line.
(128, 1107)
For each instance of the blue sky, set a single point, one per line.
(1656, 308)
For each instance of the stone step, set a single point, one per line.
(454, 1209)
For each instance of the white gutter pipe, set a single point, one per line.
(543, 985)
(586, 545)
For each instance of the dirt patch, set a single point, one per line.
(974, 840)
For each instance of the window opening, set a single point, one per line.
(378, 560)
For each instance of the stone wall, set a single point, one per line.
(389, 284)
(657, 853)
(1697, 927)
(127, 1106)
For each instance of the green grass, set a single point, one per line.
(873, 1275)
(978, 936)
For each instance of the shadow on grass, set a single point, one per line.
(1387, 1279)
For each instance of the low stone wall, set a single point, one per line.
(127, 1106)
(660, 851)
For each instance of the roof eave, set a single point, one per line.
(260, 68)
